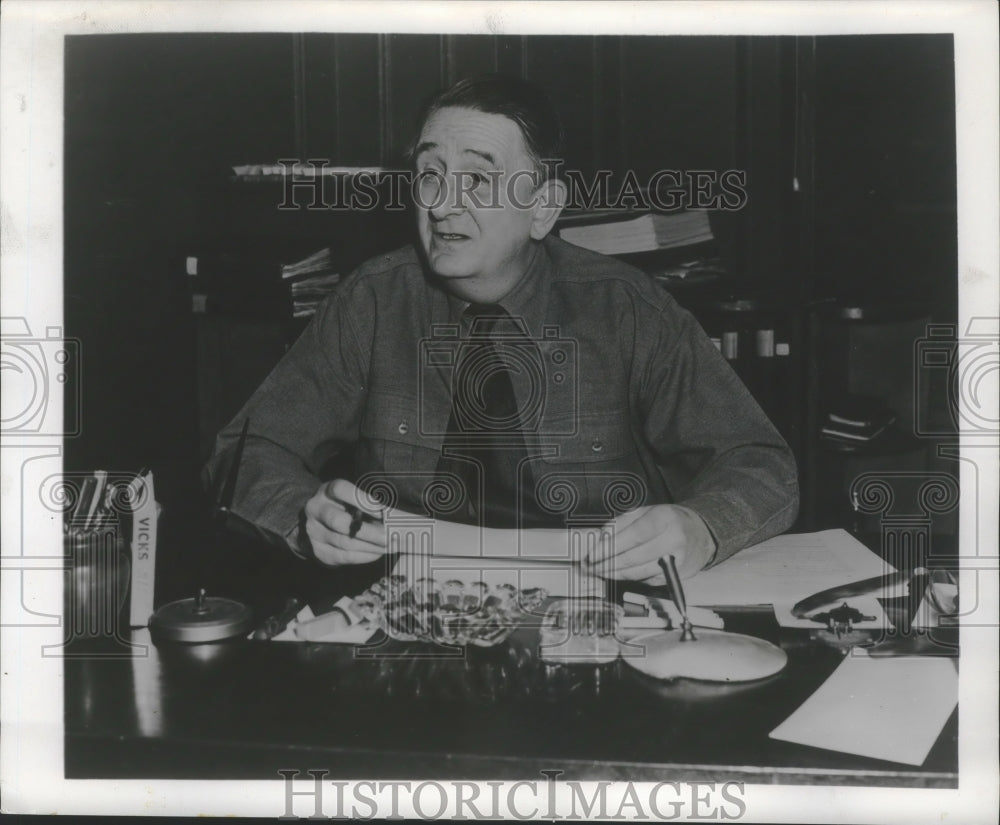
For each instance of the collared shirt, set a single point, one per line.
(634, 404)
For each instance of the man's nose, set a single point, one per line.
(449, 199)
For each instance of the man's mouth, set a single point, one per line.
(451, 236)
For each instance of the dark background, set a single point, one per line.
(154, 123)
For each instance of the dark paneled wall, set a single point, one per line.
(885, 166)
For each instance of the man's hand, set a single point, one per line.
(640, 537)
(341, 524)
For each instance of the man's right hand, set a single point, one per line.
(327, 517)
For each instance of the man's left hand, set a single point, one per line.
(642, 536)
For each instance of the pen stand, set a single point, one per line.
(712, 656)
(96, 590)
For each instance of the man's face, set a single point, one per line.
(473, 199)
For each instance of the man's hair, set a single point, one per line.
(520, 100)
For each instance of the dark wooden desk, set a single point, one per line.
(247, 709)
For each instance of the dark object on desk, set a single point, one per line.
(832, 595)
(200, 619)
(276, 624)
(840, 621)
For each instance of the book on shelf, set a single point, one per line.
(646, 232)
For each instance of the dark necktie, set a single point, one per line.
(484, 445)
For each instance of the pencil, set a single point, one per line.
(357, 519)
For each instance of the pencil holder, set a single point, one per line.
(96, 585)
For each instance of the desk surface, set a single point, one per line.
(246, 709)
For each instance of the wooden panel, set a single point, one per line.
(321, 97)
(564, 66)
(885, 165)
(607, 116)
(762, 153)
(469, 54)
(509, 51)
(357, 107)
(413, 68)
(678, 102)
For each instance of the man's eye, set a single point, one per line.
(429, 180)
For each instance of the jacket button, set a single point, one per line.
(404, 428)
(597, 446)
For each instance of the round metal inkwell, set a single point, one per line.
(201, 619)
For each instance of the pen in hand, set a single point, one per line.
(357, 519)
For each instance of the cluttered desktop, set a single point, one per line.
(776, 665)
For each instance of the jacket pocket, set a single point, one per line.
(593, 472)
(593, 438)
(390, 430)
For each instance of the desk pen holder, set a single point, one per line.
(96, 584)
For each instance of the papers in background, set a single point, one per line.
(643, 234)
(784, 570)
(299, 170)
(312, 280)
(891, 708)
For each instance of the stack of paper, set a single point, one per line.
(643, 234)
(312, 280)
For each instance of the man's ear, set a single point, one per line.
(551, 198)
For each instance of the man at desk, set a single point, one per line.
(535, 380)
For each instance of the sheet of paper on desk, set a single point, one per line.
(783, 570)
(891, 708)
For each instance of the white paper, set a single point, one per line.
(786, 569)
(887, 708)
